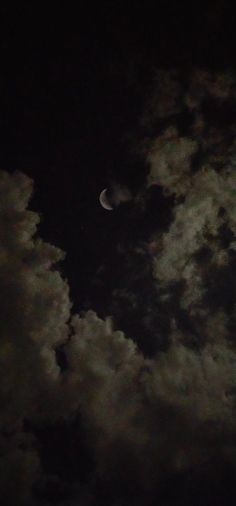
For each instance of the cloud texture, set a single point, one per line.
(151, 422)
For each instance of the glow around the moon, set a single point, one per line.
(104, 201)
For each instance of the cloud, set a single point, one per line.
(192, 158)
(148, 417)
(154, 423)
(34, 310)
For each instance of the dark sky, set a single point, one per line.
(71, 119)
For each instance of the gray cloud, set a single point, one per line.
(148, 420)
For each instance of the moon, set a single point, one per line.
(104, 201)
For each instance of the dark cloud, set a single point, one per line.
(92, 414)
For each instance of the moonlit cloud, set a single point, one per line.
(207, 190)
(147, 418)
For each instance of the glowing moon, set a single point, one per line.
(104, 201)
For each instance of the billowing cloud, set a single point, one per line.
(192, 158)
(34, 310)
(153, 423)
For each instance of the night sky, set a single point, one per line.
(118, 356)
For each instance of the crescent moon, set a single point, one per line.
(104, 201)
